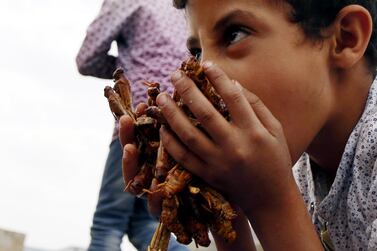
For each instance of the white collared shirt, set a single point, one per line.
(349, 206)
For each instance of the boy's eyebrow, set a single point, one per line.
(220, 24)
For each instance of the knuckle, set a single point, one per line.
(277, 126)
(257, 136)
(217, 75)
(235, 96)
(168, 113)
(205, 117)
(255, 101)
(183, 87)
(188, 138)
(182, 157)
(166, 140)
(240, 156)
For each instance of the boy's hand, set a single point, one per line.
(247, 158)
(130, 166)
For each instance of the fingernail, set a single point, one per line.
(126, 151)
(121, 119)
(162, 129)
(162, 99)
(207, 64)
(238, 85)
(176, 76)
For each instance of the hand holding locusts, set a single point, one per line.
(246, 158)
(189, 206)
(130, 169)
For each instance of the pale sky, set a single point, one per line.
(55, 124)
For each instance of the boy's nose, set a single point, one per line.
(213, 59)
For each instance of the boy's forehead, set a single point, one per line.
(201, 12)
(223, 4)
(205, 14)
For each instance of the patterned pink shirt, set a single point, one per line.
(151, 39)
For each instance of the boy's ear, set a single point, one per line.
(351, 34)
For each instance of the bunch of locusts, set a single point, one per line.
(189, 206)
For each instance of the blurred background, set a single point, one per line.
(55, 124)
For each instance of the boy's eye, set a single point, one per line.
(236, 33)
(196, 52)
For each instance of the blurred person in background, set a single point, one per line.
(150, 37)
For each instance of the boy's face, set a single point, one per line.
(255, 44)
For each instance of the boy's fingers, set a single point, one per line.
(129, 163)
(232, 95)
(200, 106)
(191, 136)
(154, 199)
(180, 154)
(126, 130)
(263, 113)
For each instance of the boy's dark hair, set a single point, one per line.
(315, 15)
